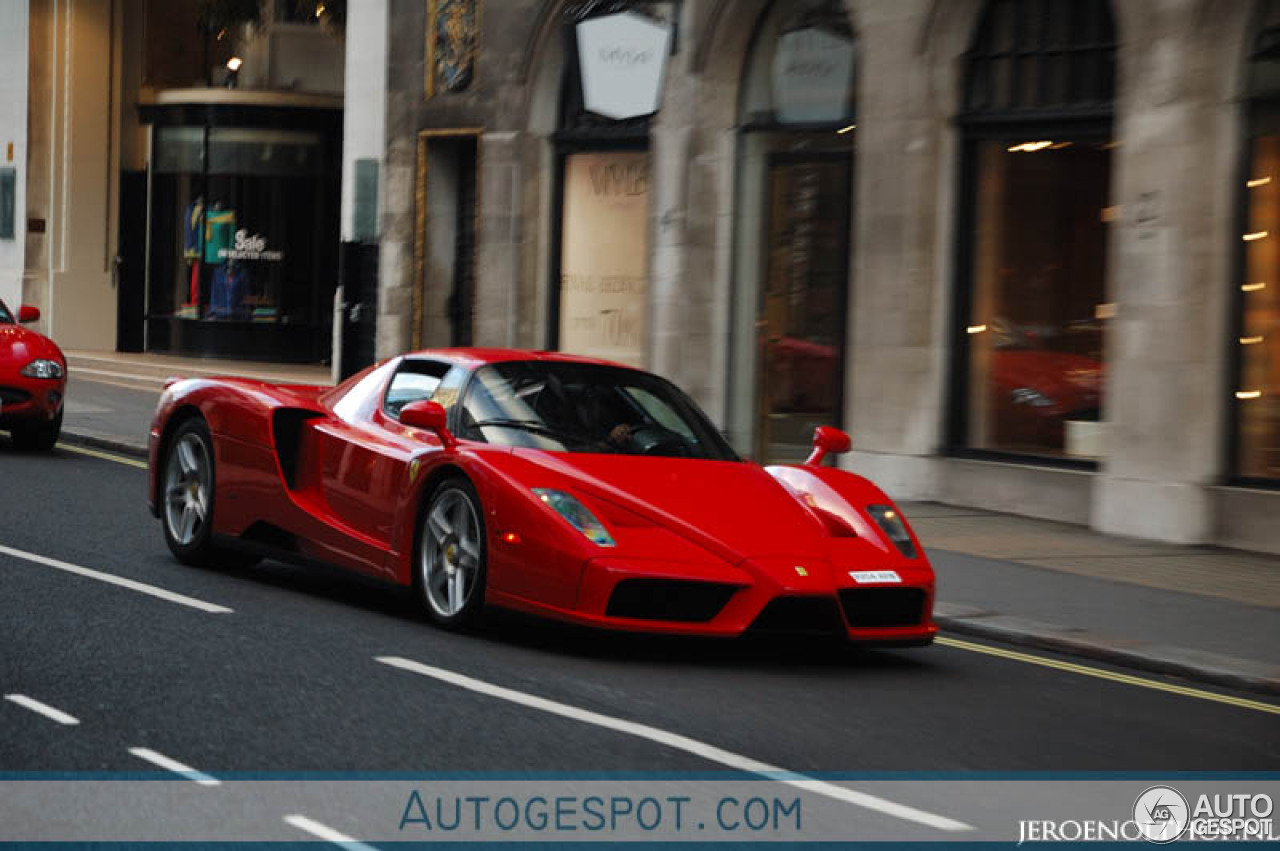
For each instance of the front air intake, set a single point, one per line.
(869, 608)
(800, 616)
(668, 600)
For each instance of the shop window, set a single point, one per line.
(238, 246)
(1035, 210)
(1256, 402)
(601, 264)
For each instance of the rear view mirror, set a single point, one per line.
(431, 416)
(827, 440)
(27, 313)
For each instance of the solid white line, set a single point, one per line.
(683, 743)
(43, 709)
(326, 833)
(140, 587)
(176, 767)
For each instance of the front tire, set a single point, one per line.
(451, 566)
(41, 438)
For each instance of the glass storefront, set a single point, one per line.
(793, 222)
(1039, 308)
(1256, 390)
(244, 236)
(1032, 300)
(604, 254)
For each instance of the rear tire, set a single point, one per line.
(188, 483)
(451, 562)
(40, 438)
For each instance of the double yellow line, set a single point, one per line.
(1100, 673)
(106, 456)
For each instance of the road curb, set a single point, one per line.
(1199, 666)
(110, 444)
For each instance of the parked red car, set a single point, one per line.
(566, 487)
(33, 381)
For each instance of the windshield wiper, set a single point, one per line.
(539, 429)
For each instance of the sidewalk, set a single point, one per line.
(111, 396)
(1205, 614)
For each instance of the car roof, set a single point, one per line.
(475, 357)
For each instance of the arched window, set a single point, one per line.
(793, 223)
(1256, 343)
(1032, 236)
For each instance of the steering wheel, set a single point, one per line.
(656, 440)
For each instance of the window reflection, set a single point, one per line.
(1259, 340)
(1039, 307)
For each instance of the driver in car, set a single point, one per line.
(602, 412)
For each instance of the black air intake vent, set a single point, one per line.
(883, 607)
(800, 616)
(668, 600)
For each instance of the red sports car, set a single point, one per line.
(33, 382)
(562, 486)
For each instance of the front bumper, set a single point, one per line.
(30, 402)
(772, 596)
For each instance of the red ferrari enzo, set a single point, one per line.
(33, 382)
(557, 485)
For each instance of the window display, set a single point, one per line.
(1032, 304)
(1259, 339)
(1035, 330)
(238, 242)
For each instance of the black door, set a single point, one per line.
(131, 259)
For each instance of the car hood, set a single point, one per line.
(734, 509)
(19, 346)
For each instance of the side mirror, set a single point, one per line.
(827, 440)
(430, 416)
(27, 313)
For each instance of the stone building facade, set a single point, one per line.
(1015, 252)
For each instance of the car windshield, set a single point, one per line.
(6, 318)
(573, 407)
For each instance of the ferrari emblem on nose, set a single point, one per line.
(800, 571)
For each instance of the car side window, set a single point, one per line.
(414, 381)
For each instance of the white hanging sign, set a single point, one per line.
(622, 58)
(812, 73)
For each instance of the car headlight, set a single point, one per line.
(890, 522)
(43, 369)
(1032, 397)
(579, 517)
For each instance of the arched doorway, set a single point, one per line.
(1031, 297)
(793, 228)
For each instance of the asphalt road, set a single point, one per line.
(290, 679)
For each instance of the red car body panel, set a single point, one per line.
(24, 400)
(326, 474)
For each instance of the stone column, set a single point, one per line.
(1174, 176)
(895, 358)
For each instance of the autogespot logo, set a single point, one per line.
(1162, 814)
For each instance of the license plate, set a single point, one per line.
(874, 577)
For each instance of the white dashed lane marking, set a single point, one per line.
(120, 581)
(683, 743)
(43, 709)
